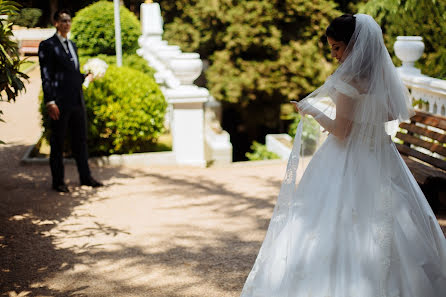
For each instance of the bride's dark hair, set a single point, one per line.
(342, 28)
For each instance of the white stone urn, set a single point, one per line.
(166, 53)
(409, 49)
(187, 67)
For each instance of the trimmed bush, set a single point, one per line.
(125, 113)
(94, 32)
(27, 17)
(132, 61)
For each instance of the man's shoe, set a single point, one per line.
(92, 183)
(61, 188)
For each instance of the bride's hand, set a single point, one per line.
(296, 107)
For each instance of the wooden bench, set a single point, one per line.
(29, 47)
(424, 151)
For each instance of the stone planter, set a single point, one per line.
(186, 67)
(409, 49)
(167, 53)
(280, 144)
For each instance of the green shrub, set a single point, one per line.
(259, 152)
(11, 78)
(94, 32)
(125, 112)
(310, 134)
(138, 63)
(132, 61)
(27, 17)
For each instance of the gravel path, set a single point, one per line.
(158, 232)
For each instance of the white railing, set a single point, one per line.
(428, 93)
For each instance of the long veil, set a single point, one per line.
(375, 188)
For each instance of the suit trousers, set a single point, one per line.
(74, 120)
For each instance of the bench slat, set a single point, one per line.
(433, 147)
(422, 172)
(425, 132)
(405, 150)
(436, 121)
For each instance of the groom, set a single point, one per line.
(62, 90)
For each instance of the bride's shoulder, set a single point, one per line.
(352, 88)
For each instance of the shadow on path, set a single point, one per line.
(28, 210)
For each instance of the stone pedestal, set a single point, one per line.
(151, 21)
(187, 125)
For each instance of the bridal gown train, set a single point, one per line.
(351, 235)
(357, 224)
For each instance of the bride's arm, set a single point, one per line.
(341, 125)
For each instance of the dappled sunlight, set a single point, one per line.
(150, 231)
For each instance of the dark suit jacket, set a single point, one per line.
(61, 80)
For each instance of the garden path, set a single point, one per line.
(150, 231)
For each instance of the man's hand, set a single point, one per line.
(53, 111)
(90, 77)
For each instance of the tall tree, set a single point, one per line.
(262, 53)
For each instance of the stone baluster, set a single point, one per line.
(176, 71)
(429, 93)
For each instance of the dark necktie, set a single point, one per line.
(69, 52)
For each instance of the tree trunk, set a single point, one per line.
(54, 6)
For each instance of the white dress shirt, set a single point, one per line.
(70, 48)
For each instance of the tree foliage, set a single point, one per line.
(27, 17)
(262, 53)
(259, 50)
(425, 18)
(11, 79)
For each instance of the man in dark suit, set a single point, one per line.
(62, 89)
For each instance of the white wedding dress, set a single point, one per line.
(357, 225)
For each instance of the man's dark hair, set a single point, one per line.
(342, 28)
(60, 12)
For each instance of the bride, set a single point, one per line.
(357, 225)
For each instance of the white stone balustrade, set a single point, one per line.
(175, 72)
(428, 92)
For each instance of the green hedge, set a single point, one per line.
(125, 112)
(94, 32)
(27, 17)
